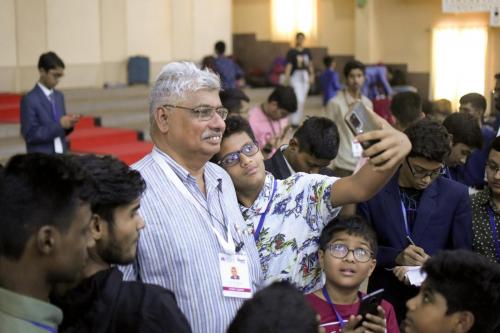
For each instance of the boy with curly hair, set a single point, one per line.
(417, 213)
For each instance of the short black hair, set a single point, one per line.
(476, 100)
(299, 34)
(220, 47)
(468, 282)
(36, 190)
(353, 225)
(49, 60)
(285, 97)
(465, 129)
(429, 140)
(327, 61)
(406, 107)
(495, 145)
(319, 137)
(277, 308)
(116, 184)
(497, 76)
(231, 99)
(353, 64)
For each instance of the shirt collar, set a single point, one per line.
(45, 90)
(260, 204)
(283, 148)
(184, 175)
(29, 309)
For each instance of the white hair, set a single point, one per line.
(176, 80)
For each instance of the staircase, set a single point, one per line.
(114, 122)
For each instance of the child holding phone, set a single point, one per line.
(347, 251)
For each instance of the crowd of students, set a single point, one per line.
(205, 235)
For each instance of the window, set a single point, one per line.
(292, 16)
(458, 62)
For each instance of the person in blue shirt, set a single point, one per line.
(472, 173)
(329, 80)
(417, 213)
(227, 68)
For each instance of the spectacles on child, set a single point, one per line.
(340, 251)
(233, 158)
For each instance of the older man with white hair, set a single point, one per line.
(194, 230)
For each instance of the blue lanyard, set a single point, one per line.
(42, 326)
(263, 216)
(341, 321)
(403, 210)
(494, 232)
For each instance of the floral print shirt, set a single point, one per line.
(482, 236)
(288, 240)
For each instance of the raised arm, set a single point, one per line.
(384, 159)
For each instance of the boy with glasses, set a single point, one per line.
(347, 251)
(285, 217)
(417, 213)
(486, 209)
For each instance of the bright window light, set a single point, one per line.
(458, 62)
(292, 16)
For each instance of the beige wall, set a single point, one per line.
(95, 37)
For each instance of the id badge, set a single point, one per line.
(357, 150)
(235, 276)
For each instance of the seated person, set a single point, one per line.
(44, 200)
(329, 80)
(466, 137)
(472, 173)
(286, 216)
(486, 209)
(269, 121)
(277, 308)
(339, 300)
(235, 101)
(102, 301)
(460, 294)
(406, 107)
(418, 213)
(310, 150)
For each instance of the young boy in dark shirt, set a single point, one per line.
(347, 252)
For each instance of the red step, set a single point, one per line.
(128, 153)
(9, 98)
(86, 138)
(9, 113)
(87, 122)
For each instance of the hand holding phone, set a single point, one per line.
(370, 304)
(360, 120)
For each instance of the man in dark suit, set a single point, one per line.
(417, 213)
(44, 122)
(313, 146)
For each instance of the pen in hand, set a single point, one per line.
(410, 240)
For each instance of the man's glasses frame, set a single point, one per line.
(422, 174)
(202, 112)
(233, 158)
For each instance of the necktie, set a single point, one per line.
(53, 106)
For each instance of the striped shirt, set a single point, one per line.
(179, 251)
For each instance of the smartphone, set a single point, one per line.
(369, 304)
(360, 121)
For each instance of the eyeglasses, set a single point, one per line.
(492, 167)
(203, 113)
(233, 158)
(422, 174)
(340, 251)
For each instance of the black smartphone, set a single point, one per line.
(360, 121)
(369, 304)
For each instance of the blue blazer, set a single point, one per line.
(444, 221)
(38, 126)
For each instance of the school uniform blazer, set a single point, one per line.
(38, 126)
(280, 170)
(277, 165)
(444, 219)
